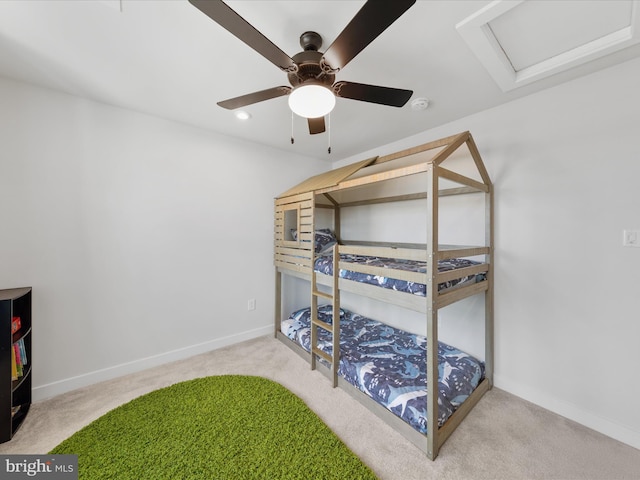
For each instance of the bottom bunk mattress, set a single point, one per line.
(389, 364)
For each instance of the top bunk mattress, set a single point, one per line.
(389, 365)
(324, 264)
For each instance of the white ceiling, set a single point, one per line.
(166, 58)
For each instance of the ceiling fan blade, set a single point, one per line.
(227, 18)
(254, 97)
(316, 125)
(372, 19)
(394, 97)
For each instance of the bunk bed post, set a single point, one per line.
(335, 363)
(278, 303)
(432, 312)
(336, 223)
(314, 297)
(488, 232)
(278, 280)
(488, 295)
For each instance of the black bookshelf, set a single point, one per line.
(15, 359)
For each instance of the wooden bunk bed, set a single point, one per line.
(426, 173)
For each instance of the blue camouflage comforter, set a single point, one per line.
(324, 264)
(389, 364)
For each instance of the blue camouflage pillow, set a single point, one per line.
(325, 239)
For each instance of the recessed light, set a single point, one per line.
(242, 115)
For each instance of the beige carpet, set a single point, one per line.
(503, 437)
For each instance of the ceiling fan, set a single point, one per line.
(311, 73)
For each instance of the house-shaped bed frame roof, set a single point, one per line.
(354, 175)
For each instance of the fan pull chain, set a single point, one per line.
(329, 133)
(292, 140)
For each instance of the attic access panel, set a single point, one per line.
(520, 42)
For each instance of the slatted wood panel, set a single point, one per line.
(288, 253)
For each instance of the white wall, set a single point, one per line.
(142, 238)
(566, 165)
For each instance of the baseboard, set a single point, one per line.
(62, 386)
(571, 411)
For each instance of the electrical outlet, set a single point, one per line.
(251, 304)
(631, 238)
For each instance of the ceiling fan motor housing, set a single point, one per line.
(309, 69)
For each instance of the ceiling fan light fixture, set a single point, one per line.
(311, 101)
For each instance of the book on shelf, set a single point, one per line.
(23, 351)
(15, 324)
(14, 367)
(18, 359)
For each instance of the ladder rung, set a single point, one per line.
(318, 293)
(322, 354)
(324, 325)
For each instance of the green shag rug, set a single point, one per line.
(223, 427)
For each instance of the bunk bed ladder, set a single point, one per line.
(334, 327)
